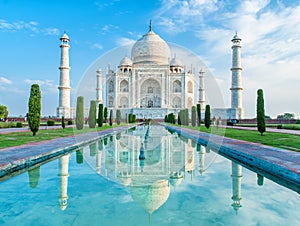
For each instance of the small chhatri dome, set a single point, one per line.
(236, 37)
(65, 36)
(126, 62)
(150, 49)
(176, 62)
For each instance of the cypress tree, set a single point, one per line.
(118, 117)
(105, 114)
(111, 118)
(187, 119)
(198, 115)
(179, 119)
(100, 115)
(260, 112)
(193, 116)
(63, 124)
(79, 113)
(207, 120)
(34, 109)
(92, 114)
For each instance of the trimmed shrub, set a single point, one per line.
(80, 113)
(105, 114)
(279, 126)
(118, 117)
(34, 109)
(111, 117)
(63, 124)
(133, 118)
(207, 120)
(193, 116)
(260, 112)
(70, 122)
(100, 115)
(92, 114)
(298, 121)
(50, 123)
(198, 115)
(19, 125)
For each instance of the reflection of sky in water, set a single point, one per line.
(93, 200)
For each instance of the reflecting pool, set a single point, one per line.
(145, 176)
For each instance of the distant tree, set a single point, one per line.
(80, 113)
(34, 109)
(207, 120)
(100, 115)
(260, 112)
(133, 118)
(286, 116)
(179, 119)
(63, 124)
(92, 114)
(34, 177)
(3, 112)
(118, 117)
(79, 156)
(193, 116)
(111, 118)
(166, 118)
(187, 118)
(198, 115)
(105, 114)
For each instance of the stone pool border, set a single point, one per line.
(21, 157)
(276, 163)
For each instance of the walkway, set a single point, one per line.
(280, 165)
(24, 156)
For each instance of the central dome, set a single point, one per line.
(150, 49)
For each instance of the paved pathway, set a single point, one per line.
(16, 158)
(280, 165)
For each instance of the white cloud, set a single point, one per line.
(97, 46)
(45, 85)
(5, 80)
(125, 41)
(31, 26)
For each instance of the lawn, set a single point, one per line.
(19, 138)
(281, 140)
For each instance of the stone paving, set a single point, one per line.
(279, 164)
(23, 156)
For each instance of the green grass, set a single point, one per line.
(19, 138)
(284, 126)
(281, 140)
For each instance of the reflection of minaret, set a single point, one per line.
(201, 159)
(99, 87)
(99, 157)
(236, 185)
(63, 173)
(201, 90)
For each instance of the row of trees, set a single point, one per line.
(183, 117)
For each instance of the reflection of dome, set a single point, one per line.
(151, 49)
(151, 197)
(126, 62)
(176, 179)
(125, 179)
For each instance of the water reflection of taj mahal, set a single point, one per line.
(168, 160)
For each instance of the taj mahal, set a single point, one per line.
(151, 84)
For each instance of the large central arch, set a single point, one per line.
(150, 94)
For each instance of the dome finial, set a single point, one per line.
(150, 26)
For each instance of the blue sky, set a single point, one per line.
(270, 32)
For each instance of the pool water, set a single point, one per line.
(145, 176)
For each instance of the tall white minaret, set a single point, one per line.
(201, 90)
(99, 87)
(236, 176)
(63, 174)
(236, 80)
(64, 82)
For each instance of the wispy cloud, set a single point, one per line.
(125, 41)
(46, 85)
(97, 46)
(31, 26)
(4, 80)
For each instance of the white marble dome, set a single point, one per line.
(126, 62)
(176, 62)
(150, 49)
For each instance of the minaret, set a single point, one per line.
(64, 83)
(201, 90)
(63, 173)
(99, 87)
(236, 80)
(236, 176)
